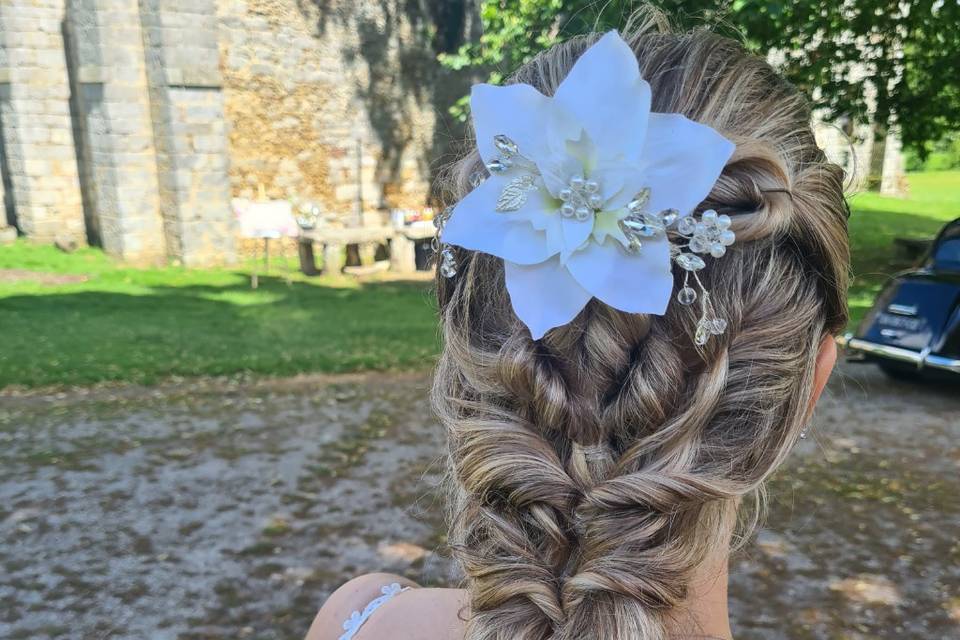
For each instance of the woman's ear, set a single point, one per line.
(826, 359)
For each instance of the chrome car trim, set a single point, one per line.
(945, 364)
(903, 309)
(921, 359)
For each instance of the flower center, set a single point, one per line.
(581, 198)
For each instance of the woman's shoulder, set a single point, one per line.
(383, 605)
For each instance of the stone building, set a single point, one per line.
(131, 123)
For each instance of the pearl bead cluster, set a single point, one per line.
(581, 198)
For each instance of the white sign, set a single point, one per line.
(268, 219)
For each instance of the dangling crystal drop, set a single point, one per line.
(702, 335)
(448, 265)
(507, 147)
(687, 296)
(690, 262)
(497, 166)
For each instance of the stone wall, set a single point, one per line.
(131, 123)
(186, 102)
(325, 97)
(114, 134)
(38, 151)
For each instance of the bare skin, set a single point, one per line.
(441, 614)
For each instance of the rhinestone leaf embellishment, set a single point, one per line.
(514, 195)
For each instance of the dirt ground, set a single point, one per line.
(220, 509)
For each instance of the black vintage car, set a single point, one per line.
(913, 328)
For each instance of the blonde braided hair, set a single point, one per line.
(595, 469)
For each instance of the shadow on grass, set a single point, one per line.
(279, 329)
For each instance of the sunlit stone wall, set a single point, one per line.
(328, 97)
(38, 151)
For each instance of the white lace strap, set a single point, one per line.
(357, 618)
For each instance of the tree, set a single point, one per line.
(879, 61)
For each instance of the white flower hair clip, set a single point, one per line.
(583, 190)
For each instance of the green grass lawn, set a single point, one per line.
(142, 325)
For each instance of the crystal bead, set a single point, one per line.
(476, 179)
(724, 221)
(699, 245)
(567, 209)
(583, 213)
(576, 182)
(716, 326)
(728, 237)
(507, 147)
(686, 226)
(640, 200)
(717, 250)
(448, 266)
(709, 216)
(639, 226)
(702, 334)
(591, 186)
(669, 216)
(497, 166)
(565, 194)
(596, 200)
(700, 229)
(690, 262)
(686, 296)
(634, 244)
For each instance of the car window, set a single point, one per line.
(947, 253)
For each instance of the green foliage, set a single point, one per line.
(942, 155)
(908, 51)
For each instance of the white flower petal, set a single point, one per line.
(635, 283)
(607, 96)
(682, 160)
(544, 295)
(519, 112)
(476, 224)
(575, 233)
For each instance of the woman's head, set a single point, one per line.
(596, 468)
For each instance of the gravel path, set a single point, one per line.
(230, 510)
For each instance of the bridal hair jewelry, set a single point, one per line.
(591, 195)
